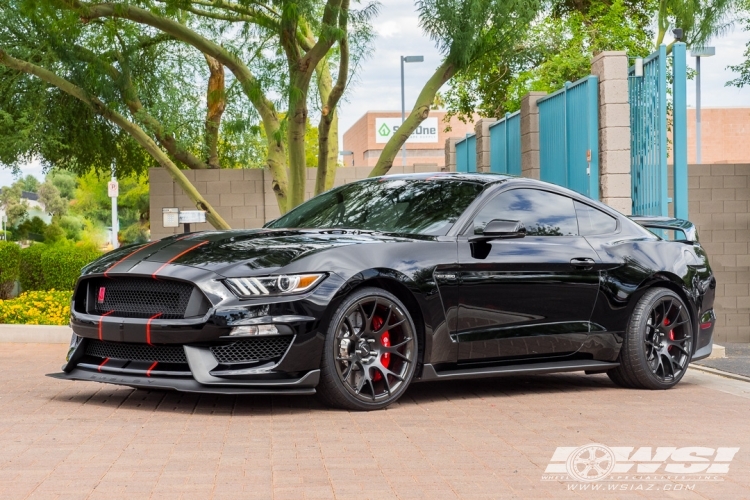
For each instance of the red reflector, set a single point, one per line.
(706, 326)
(102, 291)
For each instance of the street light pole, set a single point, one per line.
(405, 59)
(698, 53)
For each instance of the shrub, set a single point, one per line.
(37, 308)
(10, 257)
(30, 275)
(62, 263)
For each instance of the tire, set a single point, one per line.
(370, 352)
(658, 343)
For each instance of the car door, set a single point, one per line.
(528, 297)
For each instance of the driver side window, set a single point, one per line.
(541, 212)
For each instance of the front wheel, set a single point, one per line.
(370, 352)
(658, 343)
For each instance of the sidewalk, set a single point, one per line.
(737, 360)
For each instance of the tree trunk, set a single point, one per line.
(131, 128)
(296, 128)
(216, 103)
(420, 111)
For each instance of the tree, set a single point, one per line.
(10, 200)
(464, 31)
(50, 197)
(556, 48)
(743, 68)
(305, 32)
(700, 20)
(30, 183)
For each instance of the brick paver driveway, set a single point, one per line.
(474, 439)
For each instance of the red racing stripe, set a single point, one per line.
(177, 257)
(127, 256)
(100, 323)
(103, 363)
(148, 327)
(148, 372)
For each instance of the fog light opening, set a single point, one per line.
(253, 331)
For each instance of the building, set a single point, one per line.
(426, 146)
(725, 135)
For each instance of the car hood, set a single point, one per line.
(239, 253)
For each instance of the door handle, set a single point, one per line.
(582, 263)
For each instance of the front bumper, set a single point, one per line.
(198, 370)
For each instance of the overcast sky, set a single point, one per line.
(378, 86)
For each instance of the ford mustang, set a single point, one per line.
(374, 285)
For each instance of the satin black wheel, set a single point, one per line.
(658, 344)
(371, 352)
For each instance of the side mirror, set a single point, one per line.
(501, 229)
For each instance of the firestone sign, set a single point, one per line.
(426, 132)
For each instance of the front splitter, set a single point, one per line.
(175, 384)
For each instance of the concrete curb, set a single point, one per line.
(721, 373)
(36, 334)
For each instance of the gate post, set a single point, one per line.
(450, 154)
(614, 129)
(679, 127)
(530, 135)
(482, 132)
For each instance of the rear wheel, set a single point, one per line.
(658, 343)
(370, 352)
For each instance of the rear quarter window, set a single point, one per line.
(592, 222)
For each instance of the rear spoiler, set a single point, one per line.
(668, 223)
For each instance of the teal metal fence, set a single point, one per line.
(466, 154)
(649, 98)
(505, 145)
(569, 136)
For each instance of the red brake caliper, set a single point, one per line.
(671, 333)
(385, 339)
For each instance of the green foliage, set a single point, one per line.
(64, 181)
(557, 48)
(31, 229)
(10, 201)
(10, 258)
(54, 233)
(50, 197)
(743, 68)
(30, 271)
(62, 263)
(700, 20)
(30, 184)
(91, 202)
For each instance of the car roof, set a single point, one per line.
(480, 178)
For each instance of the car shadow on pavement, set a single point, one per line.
(425, 393)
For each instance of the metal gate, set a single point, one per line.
(569, 136)
(649, 160)
(505, 145)
(466, 154)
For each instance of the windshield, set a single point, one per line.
(412, 206)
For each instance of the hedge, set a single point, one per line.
(37, 308)
(31, 277)
(61, 264)
(10, 258)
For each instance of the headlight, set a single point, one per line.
(273, 285)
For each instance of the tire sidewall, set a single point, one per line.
(637, 332)
(331, 380)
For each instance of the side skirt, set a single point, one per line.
(429, 373)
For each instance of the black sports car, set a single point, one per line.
(382, 282)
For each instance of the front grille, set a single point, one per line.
(136, 352)
(262, 348)
(141, 297)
